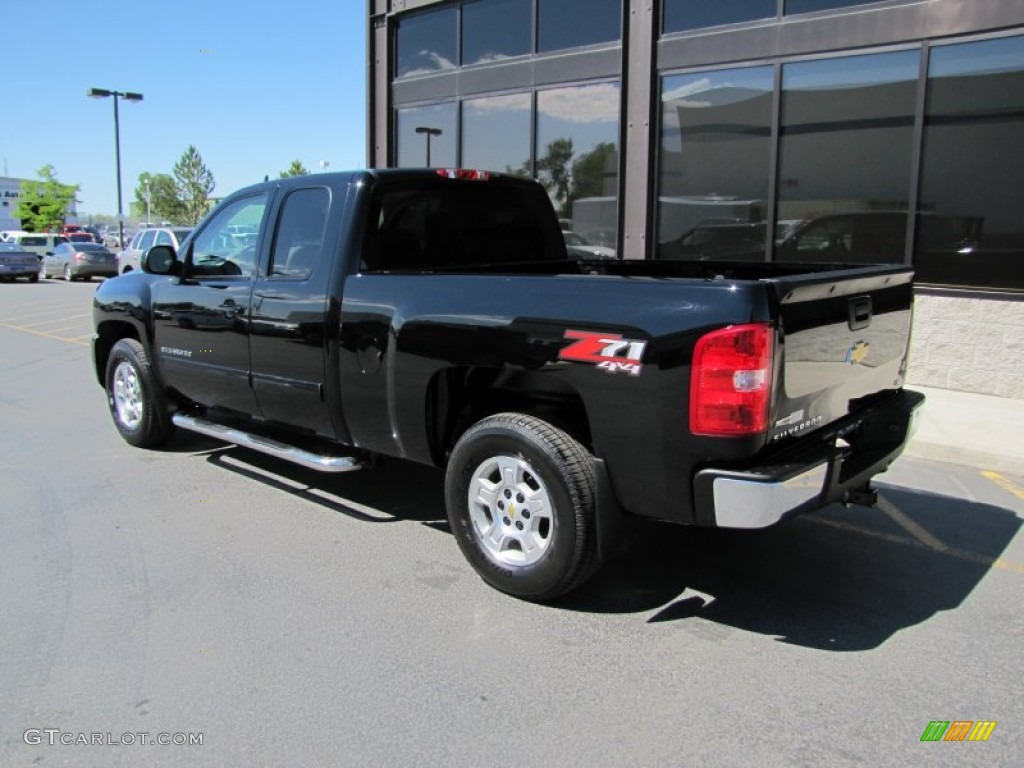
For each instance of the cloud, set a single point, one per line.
(516, 102)
(584, 104)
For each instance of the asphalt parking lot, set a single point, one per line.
(291, 618)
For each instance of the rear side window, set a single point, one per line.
(298, 245)
(32, 241)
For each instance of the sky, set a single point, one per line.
(252, 84)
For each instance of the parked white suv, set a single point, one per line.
(130, 258)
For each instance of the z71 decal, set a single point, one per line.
(608, 351)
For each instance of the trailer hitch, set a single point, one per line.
(862, 496)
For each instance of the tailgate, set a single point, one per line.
(844, 337)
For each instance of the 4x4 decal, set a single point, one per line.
(608, 351)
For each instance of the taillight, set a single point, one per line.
(731, 381)
(79, 256)
(465, 174)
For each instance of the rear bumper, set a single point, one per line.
(822, 468)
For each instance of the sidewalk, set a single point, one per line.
(979, 431)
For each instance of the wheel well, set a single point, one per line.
(107, 335)
(457, 398)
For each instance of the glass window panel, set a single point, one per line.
(300, 233)
(496, 29)
(571, 23)
(846, 137)
(970, 231)
(681, 15)
(496, 134)
(578, 157)
(426, 42)
(713, 164)
(806, 6)
(426, 136)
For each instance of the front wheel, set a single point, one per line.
(67, 273)
(521, 498)
(137, 403)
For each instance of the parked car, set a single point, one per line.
(80, 260)
(579, 247)
(16, 262)
(39, 243)
(81, 237)
(130, 258)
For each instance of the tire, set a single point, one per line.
(33, 278)
(67, 273)
(521, 498)
(137, 404)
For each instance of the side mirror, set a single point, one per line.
(159, 260)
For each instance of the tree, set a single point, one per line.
(295, 169)
(592, 170)
(164, 205)
(553, 169)
(43, 205)
(194, 183)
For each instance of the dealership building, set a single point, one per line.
(813, 130)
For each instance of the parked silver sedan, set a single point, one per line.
(73, 261)
(15, 262)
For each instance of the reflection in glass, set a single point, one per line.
(417, 135)
(495, 29)
(846, 136)
(713, 164)
(681, 15)
(970, 230)
(578, 157)
(426, 42)
(807, 6)
(571, 23)
(496, 134)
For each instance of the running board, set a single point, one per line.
(319, 462)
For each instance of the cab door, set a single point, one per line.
(201, 320)
(289, 333)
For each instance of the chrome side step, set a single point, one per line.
(319, 462)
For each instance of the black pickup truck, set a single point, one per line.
(435, 316)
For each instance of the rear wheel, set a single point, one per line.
(137, 404)
(521, 503)
(34, 278)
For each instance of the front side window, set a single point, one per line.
(578, 157)
(218, 251)
(713, 164)
(298, 245)
(970, 230)
(846, 139)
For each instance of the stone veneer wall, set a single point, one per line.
(972, 343)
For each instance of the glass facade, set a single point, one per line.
(578, 157)
(496, 133)
(807, 6)
(426, 42)
(908, 154)
(846, 138)
(573, 23)
(426, 136)
(493, 30)
(683, 15)
(715, 155)
(970, 230)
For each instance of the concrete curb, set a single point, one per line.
(980, 431)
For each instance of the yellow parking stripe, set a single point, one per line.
(45, 335)
(58, 319)
(1003, 483)
(914, 529)
(957, 554)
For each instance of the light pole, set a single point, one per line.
(428, 132)
(102, 93)
(149, 219)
